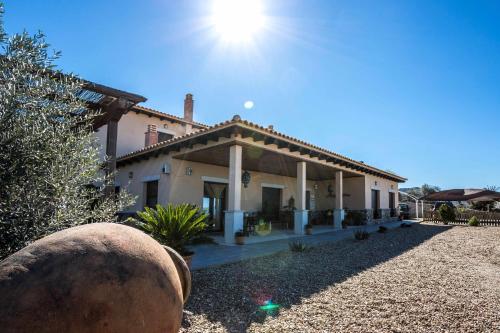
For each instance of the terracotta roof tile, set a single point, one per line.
(255, 126)
(167, 115)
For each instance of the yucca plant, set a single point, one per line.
(173, 225)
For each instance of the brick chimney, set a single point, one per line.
(151, 136)
(188, 107)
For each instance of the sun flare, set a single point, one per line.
(237, 20)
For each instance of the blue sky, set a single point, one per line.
(410, 86)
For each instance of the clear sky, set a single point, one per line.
(410, 86)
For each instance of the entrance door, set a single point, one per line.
(214, 204)
(376, 204)
(271, 203)
(308, 200)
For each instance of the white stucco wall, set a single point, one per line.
(384, 186)
(131, 129)
(177, 187)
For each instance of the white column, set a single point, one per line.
(233, 220)
(338, 214)
(416, 208)
(300, 214)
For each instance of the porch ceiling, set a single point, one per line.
(256, 158)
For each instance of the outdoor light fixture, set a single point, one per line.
(130, 175)
(245, 178)
(189, 171)
(330, 191)
(316, 186)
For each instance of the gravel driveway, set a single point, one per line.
(427, 278)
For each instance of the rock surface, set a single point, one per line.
(94, 278)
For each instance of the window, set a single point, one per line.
(151, 194)
(164, 136)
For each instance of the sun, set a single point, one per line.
(237, 20)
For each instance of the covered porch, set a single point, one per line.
(255, 180)
(268, 191)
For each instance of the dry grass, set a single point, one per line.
(426, 278)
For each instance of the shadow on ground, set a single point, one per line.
(233, 294)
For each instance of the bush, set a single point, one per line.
(297, 246)
(263, 228)
(447, 213)
(361, 235)
(49, 156)
(382, 229)
(174, 226)
(473, 221)
(354, 218)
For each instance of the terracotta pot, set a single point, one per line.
(183, 266)
(188, 259)
(99, 277)
(240, 240)
(309, 231)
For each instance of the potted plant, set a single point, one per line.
(309, 229)
(173, 226)
(239, 237)
(263, 228)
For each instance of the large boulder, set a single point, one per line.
(94, 278)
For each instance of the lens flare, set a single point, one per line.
(269, 307)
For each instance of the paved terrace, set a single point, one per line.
(207, 255)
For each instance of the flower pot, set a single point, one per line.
(240, 240)
(309, 231)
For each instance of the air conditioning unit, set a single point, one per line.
(165, 168)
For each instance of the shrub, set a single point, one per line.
(382, 229)
(49, 155)
(473, 221)
(354, 218)
(297, 246)
(308, 226)
(263, 228)
(173, 226)
(361, 235)
(447, 213)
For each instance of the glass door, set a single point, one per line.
(214, 204)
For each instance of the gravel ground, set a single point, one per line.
(427, 278)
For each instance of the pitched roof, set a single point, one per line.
(244, 124)
(463, 195)
(162, 115)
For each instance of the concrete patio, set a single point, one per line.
(207, 255)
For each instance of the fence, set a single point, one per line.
(485, 218)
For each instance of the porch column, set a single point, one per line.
(111, 140)
(233, 219)
(300, 214)
(338, 214)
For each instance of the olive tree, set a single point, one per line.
(50, 170)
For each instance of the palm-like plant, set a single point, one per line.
(173, 226)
